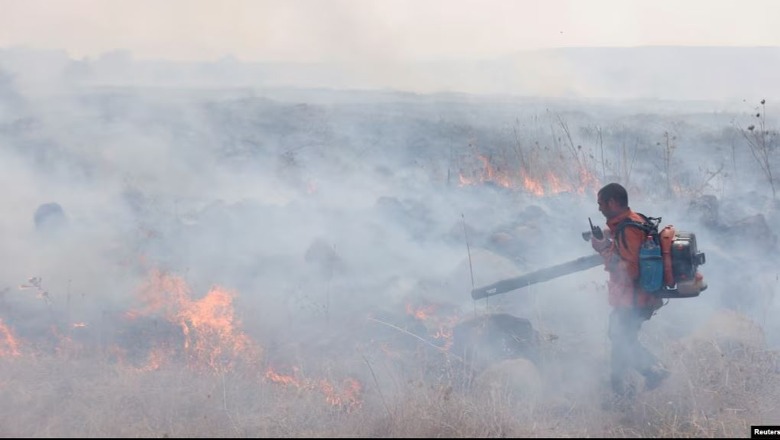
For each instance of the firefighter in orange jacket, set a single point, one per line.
(631, 305)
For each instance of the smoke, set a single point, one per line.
(323, 208)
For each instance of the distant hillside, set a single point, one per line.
(684, 73)
(708, 73)
(677, 72)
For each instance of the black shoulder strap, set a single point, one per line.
(648, 226)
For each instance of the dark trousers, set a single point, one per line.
(626, 351)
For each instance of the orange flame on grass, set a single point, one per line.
(465, 181)
(346, 396)
(157, 358)
(422, 312)
(530, 180)
(488, 174)
(9, 346)
(533, 186)
(495, 175)
(588, 180)
(443, 324)
(283, 379)
(211, 331)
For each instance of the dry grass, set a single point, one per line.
(724, 380)
(720, 386)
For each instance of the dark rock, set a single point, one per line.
(752, 233)
(50, 217)
(491, 338)
(323, 256)
(706, 209)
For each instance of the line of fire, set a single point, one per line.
(173, 328)
(537, 181)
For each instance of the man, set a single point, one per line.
(631, 305)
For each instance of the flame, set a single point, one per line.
(206, 332)
(9, 346)
(588, 180)
(157, 358)
(495, 175)
(555, 184)
(282, 379)
(132, 315)
(442, 324)
(209, 327)
(444, 332)
(465, 181)
(533, 186)
(211, 332)
(347, 396)
(421, 313)
(66, 346)
(489, 173)
(522, 178)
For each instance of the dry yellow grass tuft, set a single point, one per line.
(513, 379)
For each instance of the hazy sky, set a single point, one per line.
(339, 30)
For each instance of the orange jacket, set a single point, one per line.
(621, 260)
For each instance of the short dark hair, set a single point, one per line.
(614, 191)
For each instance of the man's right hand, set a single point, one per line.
(603, 244)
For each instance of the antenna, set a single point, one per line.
(468, 250)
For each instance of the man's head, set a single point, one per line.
(612, 200)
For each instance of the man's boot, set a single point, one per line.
(622, 394)
(655, 375)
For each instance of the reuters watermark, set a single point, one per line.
(765, 431)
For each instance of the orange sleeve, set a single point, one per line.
(634, 237)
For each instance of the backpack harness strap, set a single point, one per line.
(649, 227)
